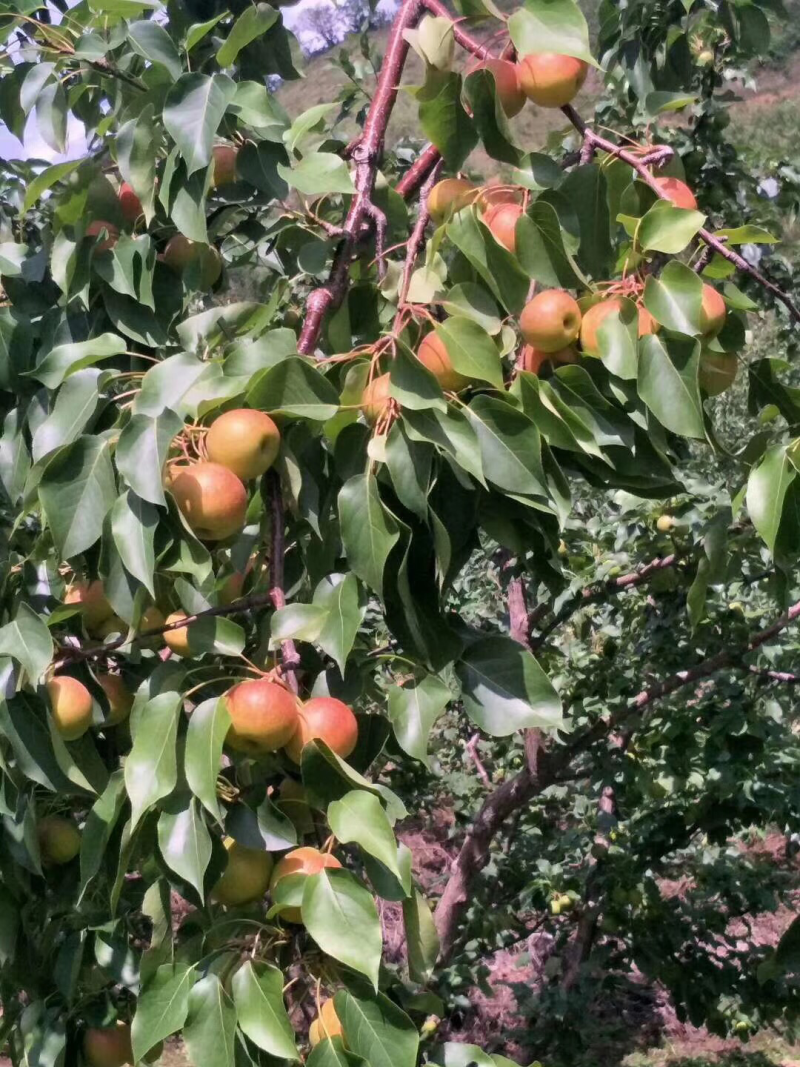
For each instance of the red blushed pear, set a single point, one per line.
(327, 1024)
(551, 321)
(59, 840)
(224, 164)
(181, 253)
(375, 398)
(718, 371)
(677, 191)
(246, 875)
(713, 312)
(502, 221)
(90, 597)
(109, 1046)
(433, 355)
(549, 79)
(449, 196)
(244, 441)
(509, 92)
(533, 359)
(264, 716)
(594, 317)
(211, 498)
(329, 720)
(98, 227)
(120, 698)
(129, 203)
(305, 861)
(70, 706)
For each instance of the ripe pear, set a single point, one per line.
(212, 499)
(224, 164)
(304, 860)
(90, 597)
(109, 1046)
(594, 317)
(246, 876)
(264, 716)
(551, 321)
(678, 192)
(328, 719)
(501, 218)
(549, 79)
(120, 698)
(326, 1025)
(375, 398)
(244, 441)
(449, 196)
(507, 88)
(433, 355)
(178, 639)
(70, 705)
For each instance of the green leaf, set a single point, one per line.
(490, 118)
(666, 228)
(76, 404)
(192, 113)
(198, 30)
(184, 841)
(133, 527)
(499, 269)
(142, 451)
(258, 995)
(162, 1007)
(541, 250)
(66, 359)
(27, 640)
(340, 915)
(413, 710)
(338, 596)
(747, 235)
(331, 1053)
(504, 689)
(316, 173)
(376, 1029)
(412, 384)
(511, 451)
(675, 297)
(210, 1029)
(208, 727)
(294, 387)
(443, 118)
(668, 383)
(46, 180)
(151, 769)
(586, 188)
(258, 164)
(152, 41)
(253, 21)
(51, 116)
(409, 463)
(767, 486)
(359, 818)
(471, 301)
(369, 530)
(76, 491)
(550, 26)
(471, 350)
(99, 826)
(422, 940)
(617, 341)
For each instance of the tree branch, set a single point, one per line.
(417, 240)
(366, 153)
(417, 173)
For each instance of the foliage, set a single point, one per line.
(372, 562)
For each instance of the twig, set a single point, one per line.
(290, 659)
(417, 240)
(418, 172)
(640, 164)
(366, 154)
(471, 749)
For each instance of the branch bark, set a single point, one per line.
(417, 240)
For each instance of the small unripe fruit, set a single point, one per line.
(329, 720)
(244, 441)
(664, 523)
(91, 599)
(211, 498)
(533, 359)
(713, 312)
(718, 371)
(109, 1046)
(549, 79)
(224, 164)
(120, 698)
(129, 203)
(594, 316)
(305, 860)
(502, 221)
(59, 840)
(507, 87)
(178, 639)
(70, 705)
(433, 354)
(94, 229)
(551, 321)
(246, 876)
(326, 1025)
(449, 196)
(375, 398)
(678, 192)
(264, 716)
(181, 253)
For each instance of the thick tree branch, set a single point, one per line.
(366, 154)
(641, 165)
(418, 172)
(290, 659)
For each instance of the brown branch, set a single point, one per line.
(471, 748)
(417, 240)
(602, 590)
(418, 172)
(366, 154)
(775, 676)
(640, 164)
(290, 660)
